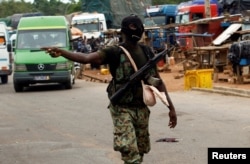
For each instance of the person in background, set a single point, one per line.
(130, 115)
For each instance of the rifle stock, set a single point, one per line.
(138, 75)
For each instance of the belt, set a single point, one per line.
(131, 105)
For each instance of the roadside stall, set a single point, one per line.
(239, 56)
(187, 43)
(214, 57)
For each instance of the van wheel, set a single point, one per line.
(18, 87)
(68, 85)
(4, 79)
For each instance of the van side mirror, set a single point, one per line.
(9, 47)
(13, 45)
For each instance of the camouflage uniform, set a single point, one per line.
(131, 136)
(130, 115)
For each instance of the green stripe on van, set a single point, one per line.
(42, 22)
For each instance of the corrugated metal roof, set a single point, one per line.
(226, 34)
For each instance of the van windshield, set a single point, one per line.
(34, 39)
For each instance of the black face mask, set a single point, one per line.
(133, 35)
(133, 28)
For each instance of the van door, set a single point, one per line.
(5, 62)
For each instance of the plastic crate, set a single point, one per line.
(201, 78)
(105, 71)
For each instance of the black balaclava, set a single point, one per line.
(132, 27)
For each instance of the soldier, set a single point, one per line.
(130, 114)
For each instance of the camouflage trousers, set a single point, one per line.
(131, 132)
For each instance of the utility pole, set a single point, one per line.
(207, 9)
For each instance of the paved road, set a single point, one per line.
(48, 124)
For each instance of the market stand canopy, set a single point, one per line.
(76, 31)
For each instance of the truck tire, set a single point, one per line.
(18, 87)
(4, 79)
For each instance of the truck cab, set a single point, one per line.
(155, 20)
(91, 24)
(192, 11)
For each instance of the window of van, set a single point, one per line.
(2, 40)
(38, 38)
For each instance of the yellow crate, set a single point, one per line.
(201, 78)
(105, 71)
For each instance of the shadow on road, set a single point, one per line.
(43, 87)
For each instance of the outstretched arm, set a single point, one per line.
(77, 57)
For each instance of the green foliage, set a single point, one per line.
(8, 8)
(47, 7)
(52, 7)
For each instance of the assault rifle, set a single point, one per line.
(139, 75)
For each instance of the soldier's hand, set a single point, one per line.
(172, 119)
(52, 51)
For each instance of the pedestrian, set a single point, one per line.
(130, 114)
(85, 48)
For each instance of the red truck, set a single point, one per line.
(191, 17)
(189, 13)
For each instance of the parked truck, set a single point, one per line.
(155, 20)
(193, 18)
(92, 25)
(193, 10)
(188, 17)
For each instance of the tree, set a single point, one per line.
(8, 8)
(53, 7)
(47, 7)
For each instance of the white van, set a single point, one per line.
(91, 24)
(5, 56)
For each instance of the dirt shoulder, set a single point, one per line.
(174, 79)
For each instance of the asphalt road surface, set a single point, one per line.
(47, 124)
